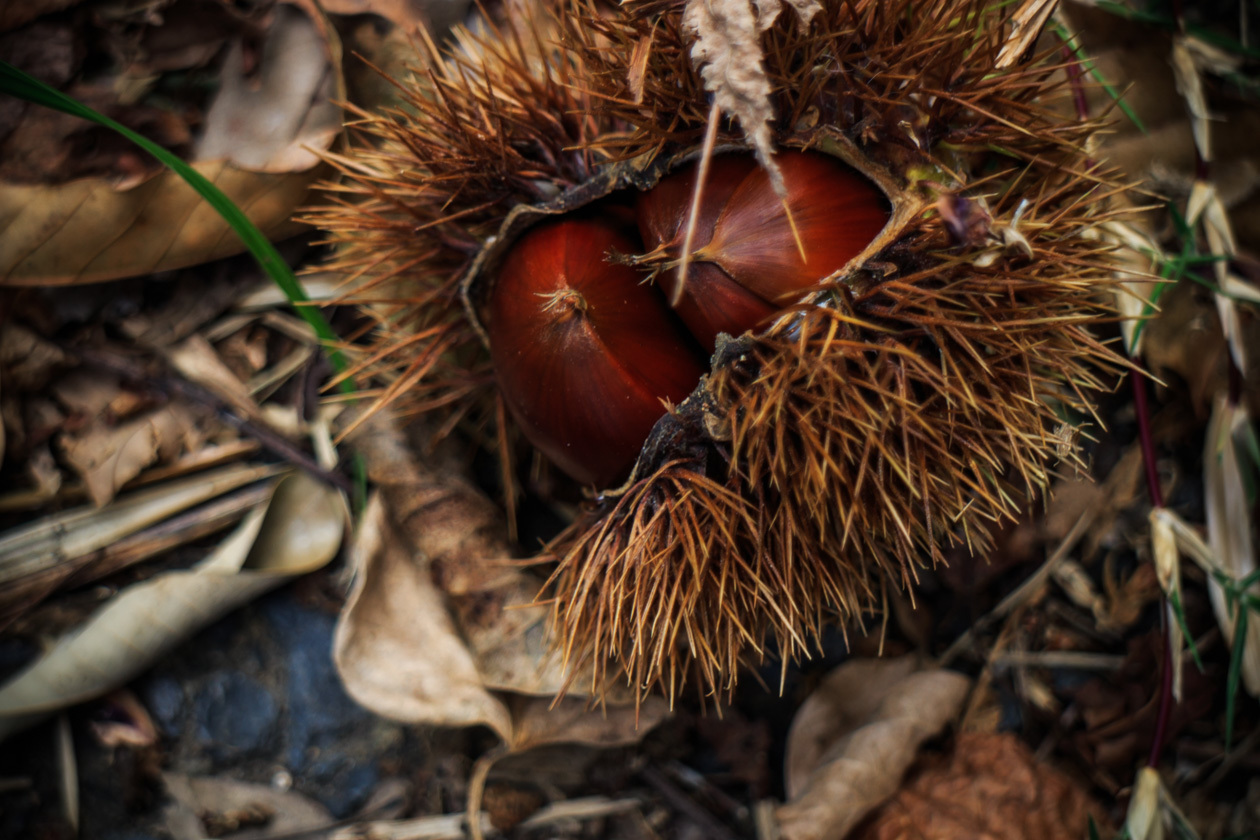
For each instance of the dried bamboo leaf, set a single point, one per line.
(1190, 86)
(1168, 571)
(298, 531)
(74, 533)
(1229, 527)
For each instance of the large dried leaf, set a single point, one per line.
(396, 647)
(297, 531)
(274, 120)
(990, 786)
(86, 230)
(854, 738)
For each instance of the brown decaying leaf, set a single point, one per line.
(439, 626)
(854, 737)
(107, 457)
(728, 52)
(87, 231)
(990, 787)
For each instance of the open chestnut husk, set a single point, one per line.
(585, 349)
(864, 416)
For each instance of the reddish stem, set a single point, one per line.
(1138, 378)
(1074, 82)
(1165, 698)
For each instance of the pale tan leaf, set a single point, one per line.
(1136, 256)
(441, 627)
(198, 361)
(107, 457)
(1142, 821)
(1168, 572)
(1153, 813)
(571, 720)
(854, 737)
(274, 119)
(395, 646)
(297, 531)
(1190, 86)
(1229, 526)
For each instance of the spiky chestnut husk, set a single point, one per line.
(907, 407)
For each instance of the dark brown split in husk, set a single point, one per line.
(906, 406)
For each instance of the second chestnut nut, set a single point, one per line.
(586, 352)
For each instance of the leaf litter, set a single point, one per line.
(431, 636)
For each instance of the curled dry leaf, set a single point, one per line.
(988, 787)
(86, 231)
(274, 119)
(396, 648)
(854, 738)
(297, 531)
(440, 627)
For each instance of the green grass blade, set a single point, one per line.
(1235, 672)
(1180, 613)
(16, 83)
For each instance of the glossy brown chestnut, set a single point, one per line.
(583, 350)
(746, 263)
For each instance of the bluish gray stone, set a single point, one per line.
(235, 714)
(164, 698)
(319, 708)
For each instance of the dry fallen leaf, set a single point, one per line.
(854, 737)
(274, 119)
(86, 230)
(297, 531)
(990, 787)
(440, 627)
(107, 457)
